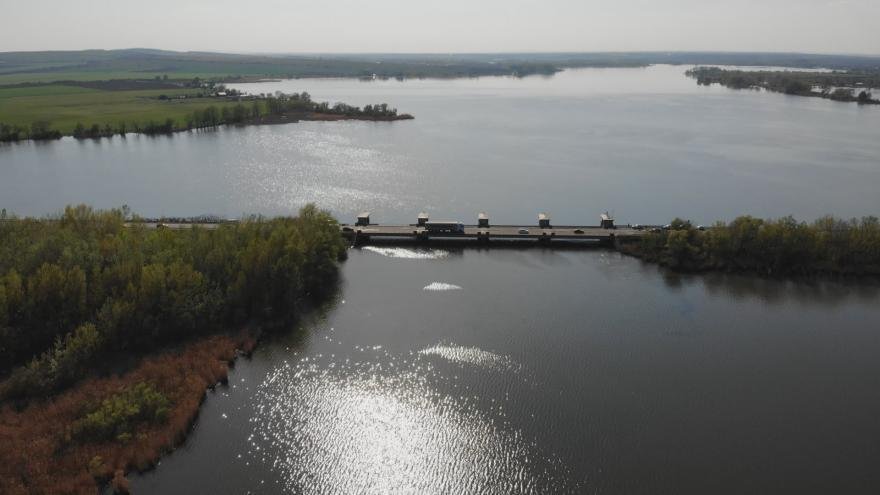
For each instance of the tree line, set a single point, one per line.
(828, 246)
(280, 104)
(83, 287)
(39, 130)
(838, 86)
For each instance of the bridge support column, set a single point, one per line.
(612, 240)
(361, 239)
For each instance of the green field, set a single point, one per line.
(65, 106)
(111, 87)
(75, 75)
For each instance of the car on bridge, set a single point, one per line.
(445, 227)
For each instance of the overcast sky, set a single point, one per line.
(826, 26)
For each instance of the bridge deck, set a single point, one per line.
(566, 232)
(413, 232)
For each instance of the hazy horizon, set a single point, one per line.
(455, 26)
(437, 53)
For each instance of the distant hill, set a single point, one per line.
(140, 63)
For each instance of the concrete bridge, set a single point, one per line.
(543, 231)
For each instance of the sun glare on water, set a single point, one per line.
(381, 426)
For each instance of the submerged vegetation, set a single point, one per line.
(85, 292)
(783, 247)
(853, 86)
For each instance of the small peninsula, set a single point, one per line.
(848, 86)
(99, 109)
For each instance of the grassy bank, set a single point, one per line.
(91, 111)
(83, 297)
(64, 106)
(783, 247)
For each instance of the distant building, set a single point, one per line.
(363, 218)
(483, 220)
(544, 220)
(605, 221)
(423, 219)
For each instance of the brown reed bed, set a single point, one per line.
(39, 456)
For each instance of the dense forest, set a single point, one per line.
(83, 286)
(87, 290)
(853, 86)
(783, 247)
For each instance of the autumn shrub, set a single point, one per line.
(118, 415)
(43, 452)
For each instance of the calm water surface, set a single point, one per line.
(648, 144)
(504, 371)
(507, 371)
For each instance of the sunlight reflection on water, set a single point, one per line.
(440, 287)
(312, 166)
(471, 355)
(381, 426)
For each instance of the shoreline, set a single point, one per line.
(81, 407)
(185, 375)
(784, 247)
(630, 249)
(320, 117)
(290, 118)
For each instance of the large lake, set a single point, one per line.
(647, 144)
(497, 371)
(505, 371)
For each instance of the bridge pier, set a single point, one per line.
(360, 238)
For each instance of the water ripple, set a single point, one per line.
(471, 355)
(382, 426)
